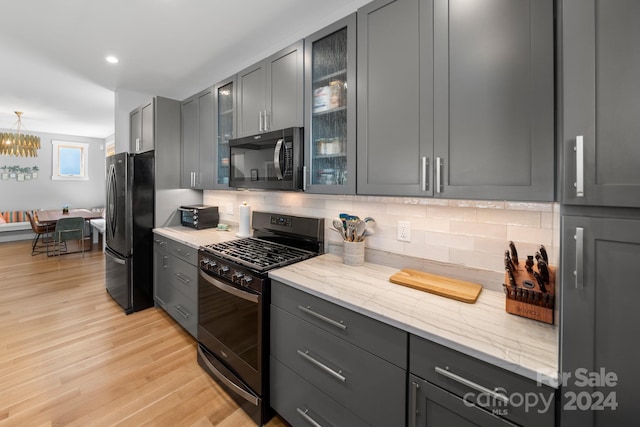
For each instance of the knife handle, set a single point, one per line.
(579, 271)
(579, 149)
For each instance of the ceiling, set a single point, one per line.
(53, 52)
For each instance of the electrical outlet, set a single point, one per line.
(229, 209)
(404, 231)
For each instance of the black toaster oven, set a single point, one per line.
(199, 217)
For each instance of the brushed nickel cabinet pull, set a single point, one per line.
(182, 313)
(425, 175)
(579, 149)
(325, 319)
(183, 279)
(414, 402)
(328, 370)
(304, 414)
(471, 384)
(579, 271)
(439, 165)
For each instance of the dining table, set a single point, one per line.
(49, 218)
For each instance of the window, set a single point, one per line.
(70, 161)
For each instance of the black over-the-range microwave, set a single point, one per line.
(267, 161)
(199, 217)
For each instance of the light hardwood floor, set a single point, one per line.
(70, 356)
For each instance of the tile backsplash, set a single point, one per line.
(470, 233)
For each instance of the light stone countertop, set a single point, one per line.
(483, 330)
(196, 238)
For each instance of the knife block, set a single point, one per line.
(528, 301)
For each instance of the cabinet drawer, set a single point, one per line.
(432, 406)
(370, 386)
(376, 337)
(183, 277)
(300, 403)
(488, 386)
(182, 309)
(184, 252)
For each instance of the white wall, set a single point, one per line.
(43, 193)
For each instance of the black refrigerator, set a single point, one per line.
(129, 218)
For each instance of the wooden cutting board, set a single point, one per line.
(444, 286)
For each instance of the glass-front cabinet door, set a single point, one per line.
(330, 96)
(225, 116)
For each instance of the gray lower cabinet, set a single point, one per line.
(456, 101)
(197, 141)
(601, 102)
(433, 406)
(176, 281)
(448, 388)
(339, 359)
(270, 92)
(599, 320)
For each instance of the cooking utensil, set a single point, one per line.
(371, 225)
(339, 226)
(361, 228)
(351, 231)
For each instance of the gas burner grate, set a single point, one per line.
(260, 255)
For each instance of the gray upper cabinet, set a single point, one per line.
(601, 102)
(456, 100)
(198, 141)
(270, 93)
(142, 128)
(224, 127)
(394, 117)
(330, 105)
(599, 318)
(494, 99)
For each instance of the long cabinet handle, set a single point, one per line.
(328, 370)
(304, 414)
(266, 120)
(414, 402)
(304, 178)
(182, 313)
(325, 319)
(579, 149)
(260, 121)
(425, 175)
(164, 261)
(579, 271)
(183, 279)
(439, 165)
(471, 384)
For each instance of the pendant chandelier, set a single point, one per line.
(19, 144)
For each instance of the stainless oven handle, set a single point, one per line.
(247, 396)
(186, 210)
(332, 322)
(230, 289)
(276, 158)
(328, 370)
(307, 417)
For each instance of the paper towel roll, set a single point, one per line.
(245, 220)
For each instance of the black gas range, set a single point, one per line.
(233, 303)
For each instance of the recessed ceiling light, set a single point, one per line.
(111, 59)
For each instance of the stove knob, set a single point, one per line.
(247, 280)
(211, 265)
(223, 270)
(237, 277)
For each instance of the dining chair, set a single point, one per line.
(71, 228)
(39, 230)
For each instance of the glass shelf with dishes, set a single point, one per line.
(331, 124)
(225, 118)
